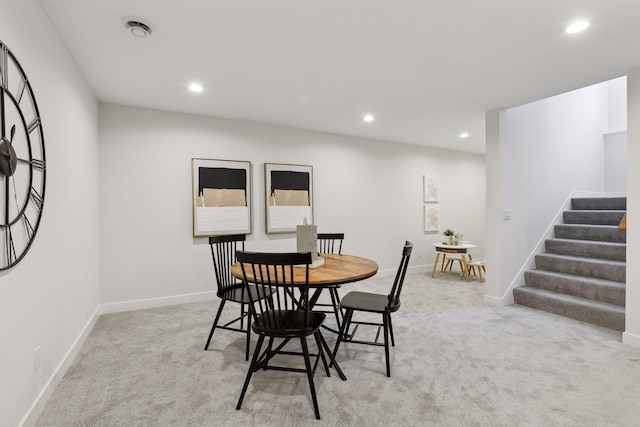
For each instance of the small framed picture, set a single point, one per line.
(431, 217)
(431, 188)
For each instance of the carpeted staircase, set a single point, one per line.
(582, 273)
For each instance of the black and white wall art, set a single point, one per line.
(221, 197)
(288, 196)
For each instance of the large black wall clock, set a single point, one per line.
(22, 162)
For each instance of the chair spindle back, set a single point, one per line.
(285, 276)
(330, 243)
(394, 295)
(223, 252)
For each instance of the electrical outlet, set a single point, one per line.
(36, 359)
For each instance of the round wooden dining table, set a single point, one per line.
(336, 270)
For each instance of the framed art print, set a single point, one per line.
(431, 188)
(431, 217)
(221, 197)
(288, 196)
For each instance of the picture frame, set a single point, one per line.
(431, 218)
(431, 186)
(221, 197)
(288, 196)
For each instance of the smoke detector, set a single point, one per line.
(138, 29)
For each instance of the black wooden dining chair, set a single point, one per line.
(223, 252)
(331, 243)
(375, 303)
(284, 315)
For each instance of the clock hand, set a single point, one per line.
(38, 164)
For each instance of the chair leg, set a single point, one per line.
(252, 366)
(307, 362)
(393, 343)
(215, 323)
(385, 322)
(340, 309)
(246, 353)
(335, 300)
(241, 316)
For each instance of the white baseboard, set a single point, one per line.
(41, 401)
(118, 307)
(505, 300)
(630, 339)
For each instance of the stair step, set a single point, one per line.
(596, 217)
(588, 267)
(583, 287)
(587, 248)
(603, 233)
(597, 313)
(605, 203)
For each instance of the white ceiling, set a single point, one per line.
(427, 69)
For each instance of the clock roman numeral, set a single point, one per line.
(33, 125)
(10, 249)
(27, 226)
(4, 64)
(38, 164)
(23, 86)
(36, 197)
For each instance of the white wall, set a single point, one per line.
(632, 308)
(617, 105)
(615, 140)
(370, 190)
(49, 298)
(615, 162)
(540, 153)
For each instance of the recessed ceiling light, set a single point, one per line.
(196, 87)
(576, 27)
(138, 29)
(464, 135)
(368, 118)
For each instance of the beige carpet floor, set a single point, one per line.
(456, 362)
